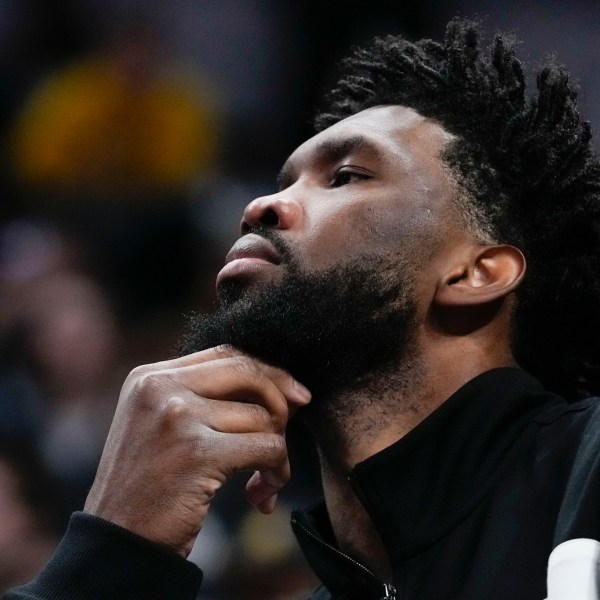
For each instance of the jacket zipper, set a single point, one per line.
(389, 591)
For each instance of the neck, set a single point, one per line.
(359, 422)
(349, 428)
(376, 411)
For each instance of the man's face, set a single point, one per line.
(373, 183)
(334, 271)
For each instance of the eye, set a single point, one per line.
(346, 175)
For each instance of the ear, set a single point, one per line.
(486, 274)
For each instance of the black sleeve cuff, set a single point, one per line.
(98, 560)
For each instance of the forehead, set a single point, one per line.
(387, 132)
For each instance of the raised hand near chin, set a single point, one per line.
(181, 429)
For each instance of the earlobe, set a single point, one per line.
(487, 274)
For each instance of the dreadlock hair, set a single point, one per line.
(526, 172)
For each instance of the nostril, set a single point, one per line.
(273, 212)
(258, 216)
(245, 227)
(269, 218)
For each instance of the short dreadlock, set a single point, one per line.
(527, 175)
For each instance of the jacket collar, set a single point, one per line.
(418, 489)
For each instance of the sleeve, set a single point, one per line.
(97, 560)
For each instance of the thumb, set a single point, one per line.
(262, 488)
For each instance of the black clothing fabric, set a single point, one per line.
(471, 502)
(469, 506)
(97, 560)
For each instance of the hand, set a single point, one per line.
(181, 428)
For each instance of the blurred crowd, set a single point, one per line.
(132, 134)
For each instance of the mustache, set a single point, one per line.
(270, 234)
(231, 291)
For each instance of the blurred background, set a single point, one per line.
(132, 134)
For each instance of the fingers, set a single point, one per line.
(254, 451)
(294, 392)
(235, 435)
(234, 379)
(224, 417)
(181, 429)
(268, 454)
(223, 351)
(241, 379)
(262, 488)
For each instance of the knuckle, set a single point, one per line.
(224, 350)
(152, 382)
(148, 388)
(280, 418)
(247, 368)
(207, 438)
(261, 416)
(174, 412)
(276, 447)
(207, 443)
(138, 372)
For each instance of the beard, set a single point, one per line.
(330, 330)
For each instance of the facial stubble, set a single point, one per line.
(345, 327)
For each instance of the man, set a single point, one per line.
(435, 240)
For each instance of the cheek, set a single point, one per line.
(337, 234)
(394, 230)
(332, 236)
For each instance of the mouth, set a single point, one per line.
(252, 256)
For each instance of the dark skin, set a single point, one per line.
(182, 427)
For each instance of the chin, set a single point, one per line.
(234, 289)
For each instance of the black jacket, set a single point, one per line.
(469, 505)
(471, 502)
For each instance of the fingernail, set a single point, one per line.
(268, 506)
(303, 391)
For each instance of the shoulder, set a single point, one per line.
(575, 434)
(581, 415)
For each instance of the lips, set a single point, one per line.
(252, 257)
(253, 246)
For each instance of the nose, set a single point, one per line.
(276, 211)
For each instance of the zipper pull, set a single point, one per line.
(389, 592)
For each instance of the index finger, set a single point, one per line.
(294, 391)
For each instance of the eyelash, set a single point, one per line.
(349, 175)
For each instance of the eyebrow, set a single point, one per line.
(331, 151)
